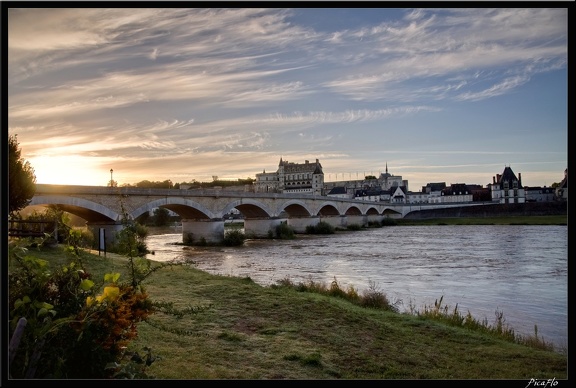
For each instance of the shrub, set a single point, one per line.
(284, 231)
(354, 227)
(374, 224)
(234, 237)
(80, 238)
(374, 298)
(131, 240)
(188, 239)
(321, 227)
(499, 329)
(71, 331)
(389, 221)
(335, 290)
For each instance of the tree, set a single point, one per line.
(21, 178)
(161, 216)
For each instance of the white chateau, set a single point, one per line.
(301, 178)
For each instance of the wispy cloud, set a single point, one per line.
(187, 86)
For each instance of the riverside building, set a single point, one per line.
(301, 178)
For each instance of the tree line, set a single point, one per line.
(194, 184)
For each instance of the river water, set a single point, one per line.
(519, 270)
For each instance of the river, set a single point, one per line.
(519, 270)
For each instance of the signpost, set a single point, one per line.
(102, 241)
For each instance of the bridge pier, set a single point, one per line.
(299, 224)
(110, 230)
(260, 227)
(337, 221)
(208, 230)
(356, 219)
(374, 218)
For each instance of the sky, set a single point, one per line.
(436, 95)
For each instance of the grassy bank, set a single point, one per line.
(502, 220)
(232, 328)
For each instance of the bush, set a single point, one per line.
(374, 298)
(131, 240)
(188, 239)
(354, 227)
(81, 238)
(389, 221)
(285, 231)
(371, 298)
(234, 238)
(320, 228)
(374, 224)
(71, 331)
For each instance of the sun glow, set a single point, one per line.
(69, 170)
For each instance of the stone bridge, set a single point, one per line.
(203, 211)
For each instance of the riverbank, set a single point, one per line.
(237, 329)
(510, 210)
(489, 220)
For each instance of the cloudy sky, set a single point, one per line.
(439, 95)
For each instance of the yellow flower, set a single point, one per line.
(111, 293)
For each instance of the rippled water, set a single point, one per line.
(519, 270)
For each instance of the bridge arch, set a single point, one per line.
(371, 211)
(92, 212)
(353, 210)
(295, 208)
(328, 209)
(185, 208)
(391, 212)
(249, 208)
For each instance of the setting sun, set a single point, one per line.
(69, 170)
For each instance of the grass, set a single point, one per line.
(501, 220)
(233, 328)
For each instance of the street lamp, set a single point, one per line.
(111, 180)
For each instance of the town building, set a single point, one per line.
(372, 195)
(562, 188)
(308, 178)
(417, 197)
(338, 192)
(540, 194)
(385, 182)
(457, 192)
(506, 188)
(434, 191)
(301, 178)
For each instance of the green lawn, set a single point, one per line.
(237, 329)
